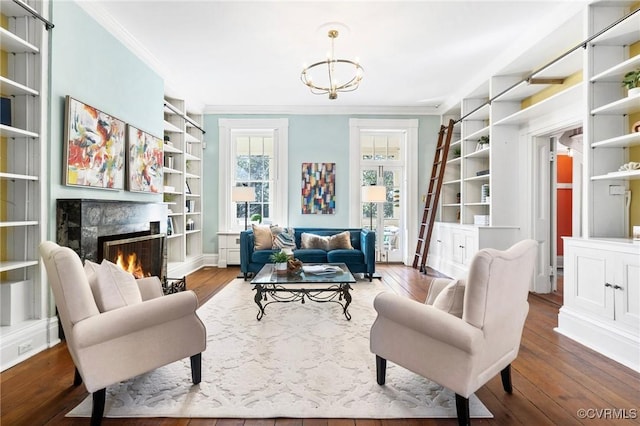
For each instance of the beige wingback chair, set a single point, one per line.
(119, 344)
(460, 353)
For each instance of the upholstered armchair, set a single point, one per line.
(466, 332)
(116, 336)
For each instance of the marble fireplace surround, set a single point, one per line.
(80, 222)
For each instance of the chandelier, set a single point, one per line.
(338, 69)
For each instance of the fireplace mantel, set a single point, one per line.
(79, 222)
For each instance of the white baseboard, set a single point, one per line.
(27, 340)
(210, 259)
(618, 345)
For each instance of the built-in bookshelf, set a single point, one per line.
(27, 324)
(183, 147)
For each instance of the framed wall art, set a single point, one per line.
(94, 147)
(318, 188)
(145, 161)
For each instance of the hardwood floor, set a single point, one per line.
(553, 377)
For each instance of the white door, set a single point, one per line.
(385, 218)
(542, 182)
(392, 226)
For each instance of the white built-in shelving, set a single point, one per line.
(602, 267)
(183, 186)
(27, 321)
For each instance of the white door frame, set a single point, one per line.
(409, 184)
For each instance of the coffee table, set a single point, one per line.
(271, 288)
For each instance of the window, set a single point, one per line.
(254, 161)
(253, 153)
(380, 146)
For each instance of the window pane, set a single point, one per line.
(367, 147)
(242, 168)
(380, 147)
(393, 146)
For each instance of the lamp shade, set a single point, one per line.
(243, 194)
(374, 194)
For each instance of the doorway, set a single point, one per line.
(557, 204)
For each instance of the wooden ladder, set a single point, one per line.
(433, 195)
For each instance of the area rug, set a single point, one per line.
(300, 360)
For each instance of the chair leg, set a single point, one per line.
(462, 409)
(196, 368)
(506, 379)
(97, 411)
(381, 369)
(77, 378)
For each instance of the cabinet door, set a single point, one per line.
(590, 276)
(457, 245)
(627, 290)
(470, 246)
(435, 248)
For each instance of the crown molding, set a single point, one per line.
(320, 110)
(113, 27)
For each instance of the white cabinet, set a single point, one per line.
(27, 323)
(228, 249)
(453, 246)
(183, 147)
(602, 297)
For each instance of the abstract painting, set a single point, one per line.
(145, 161)
(318, 188)
(95, 144)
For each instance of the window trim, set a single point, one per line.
(280, 129)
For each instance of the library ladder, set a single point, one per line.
(433, 195)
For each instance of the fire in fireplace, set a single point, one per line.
(143, 256)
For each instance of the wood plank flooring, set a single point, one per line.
(553, 377)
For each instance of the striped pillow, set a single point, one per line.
(283, 238)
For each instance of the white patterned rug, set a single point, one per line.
(301, 360)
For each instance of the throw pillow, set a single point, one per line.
(451, 298)
(283, 238)
(340, 241)
(262, 237)
(313, 241)
(114, 287)
(90, 269)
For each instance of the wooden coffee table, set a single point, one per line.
(271, 288)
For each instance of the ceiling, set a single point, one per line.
(418, 56)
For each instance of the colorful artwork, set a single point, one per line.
(318, 188)
(95, 141)
(145, 161)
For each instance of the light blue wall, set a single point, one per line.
(312, 138)
(92, 66)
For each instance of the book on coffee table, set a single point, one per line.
(321, 269)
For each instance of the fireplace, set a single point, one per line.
(87, 225)
(142, 256)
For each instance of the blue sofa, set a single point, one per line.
(361, 259)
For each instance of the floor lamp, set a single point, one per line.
(244, 194)
(373, 194)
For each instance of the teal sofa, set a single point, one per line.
(360, 259)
